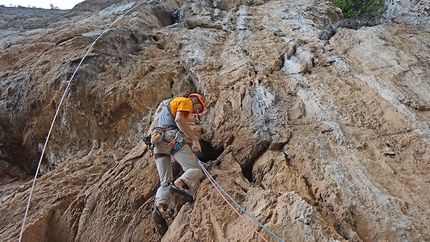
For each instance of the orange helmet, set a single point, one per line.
(201, 99)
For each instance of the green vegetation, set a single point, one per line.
(361, 8)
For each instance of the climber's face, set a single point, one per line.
(197, 107)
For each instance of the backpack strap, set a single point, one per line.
(169, 109)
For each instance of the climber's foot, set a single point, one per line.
(180, 193)
(159, 221)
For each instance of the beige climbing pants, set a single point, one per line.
(185, 157)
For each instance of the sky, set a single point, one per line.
(61, 4)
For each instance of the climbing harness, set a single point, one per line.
(57, 112)
(220, 189)
(157, 135)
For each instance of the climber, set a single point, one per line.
(169, 139)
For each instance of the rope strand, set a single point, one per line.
(218, 187)
(55, 117)
(237, 212)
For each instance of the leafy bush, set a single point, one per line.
(360, 8)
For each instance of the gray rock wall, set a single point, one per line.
(319, 140)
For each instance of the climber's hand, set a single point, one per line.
(196, 146)
(192, 119)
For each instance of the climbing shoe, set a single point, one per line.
(180, 193)
(159, 221)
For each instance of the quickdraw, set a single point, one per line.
(147, 141)
(177, 142)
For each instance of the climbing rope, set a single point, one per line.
(220, 189)
(58, 110)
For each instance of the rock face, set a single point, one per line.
(318, 140)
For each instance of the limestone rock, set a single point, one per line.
(318, 140)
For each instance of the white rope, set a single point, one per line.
(213, 181)
(56, 114)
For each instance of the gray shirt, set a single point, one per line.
(166, 118)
